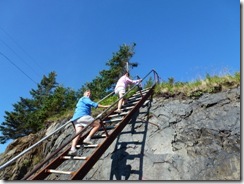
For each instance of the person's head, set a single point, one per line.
(127, 74)
(87, 93)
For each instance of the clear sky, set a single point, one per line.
(183, 39)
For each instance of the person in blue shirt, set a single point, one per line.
(82, 118)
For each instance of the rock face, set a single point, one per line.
(168, 139)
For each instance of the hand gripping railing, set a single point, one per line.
(156, 79)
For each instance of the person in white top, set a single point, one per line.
(121, 86)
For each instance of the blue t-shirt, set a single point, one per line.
(83, 107)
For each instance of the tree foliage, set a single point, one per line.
(106, 81)
(28, 115)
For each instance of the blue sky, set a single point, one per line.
(183, 39)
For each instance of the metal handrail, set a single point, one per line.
(43, 139)
(34, 145)
(98, 117)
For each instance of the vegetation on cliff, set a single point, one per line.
(195, 89)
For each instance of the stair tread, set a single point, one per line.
(59, 171)
(68, 157)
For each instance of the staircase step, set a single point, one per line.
(74, 158)
(91, 145)
(143, 91)
(128, 108)
(98, 136)
(107, 128)
(129, 104)
(59, 172)
(136, 95)
(133, 100)
(113, 120)
(87, 145)
(118, 114)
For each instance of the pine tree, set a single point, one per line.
(29, 115)
(107, 79)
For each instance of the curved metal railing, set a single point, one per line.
(156, 80)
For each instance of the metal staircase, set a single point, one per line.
(113, 124)
(60, 166)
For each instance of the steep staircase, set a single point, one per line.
(112, 125)
(58, 165)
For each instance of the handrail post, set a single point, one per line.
(102, 125)
(139, 85)
(156, 77)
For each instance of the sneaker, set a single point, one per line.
(87, 141)
(72, 152)
(118, 111)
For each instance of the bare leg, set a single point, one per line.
(121, 102)
(76, 139)
(96, 125)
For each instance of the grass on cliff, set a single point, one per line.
(211, 84)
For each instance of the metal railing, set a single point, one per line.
(156, 80)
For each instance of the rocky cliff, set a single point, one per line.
(168, 139)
